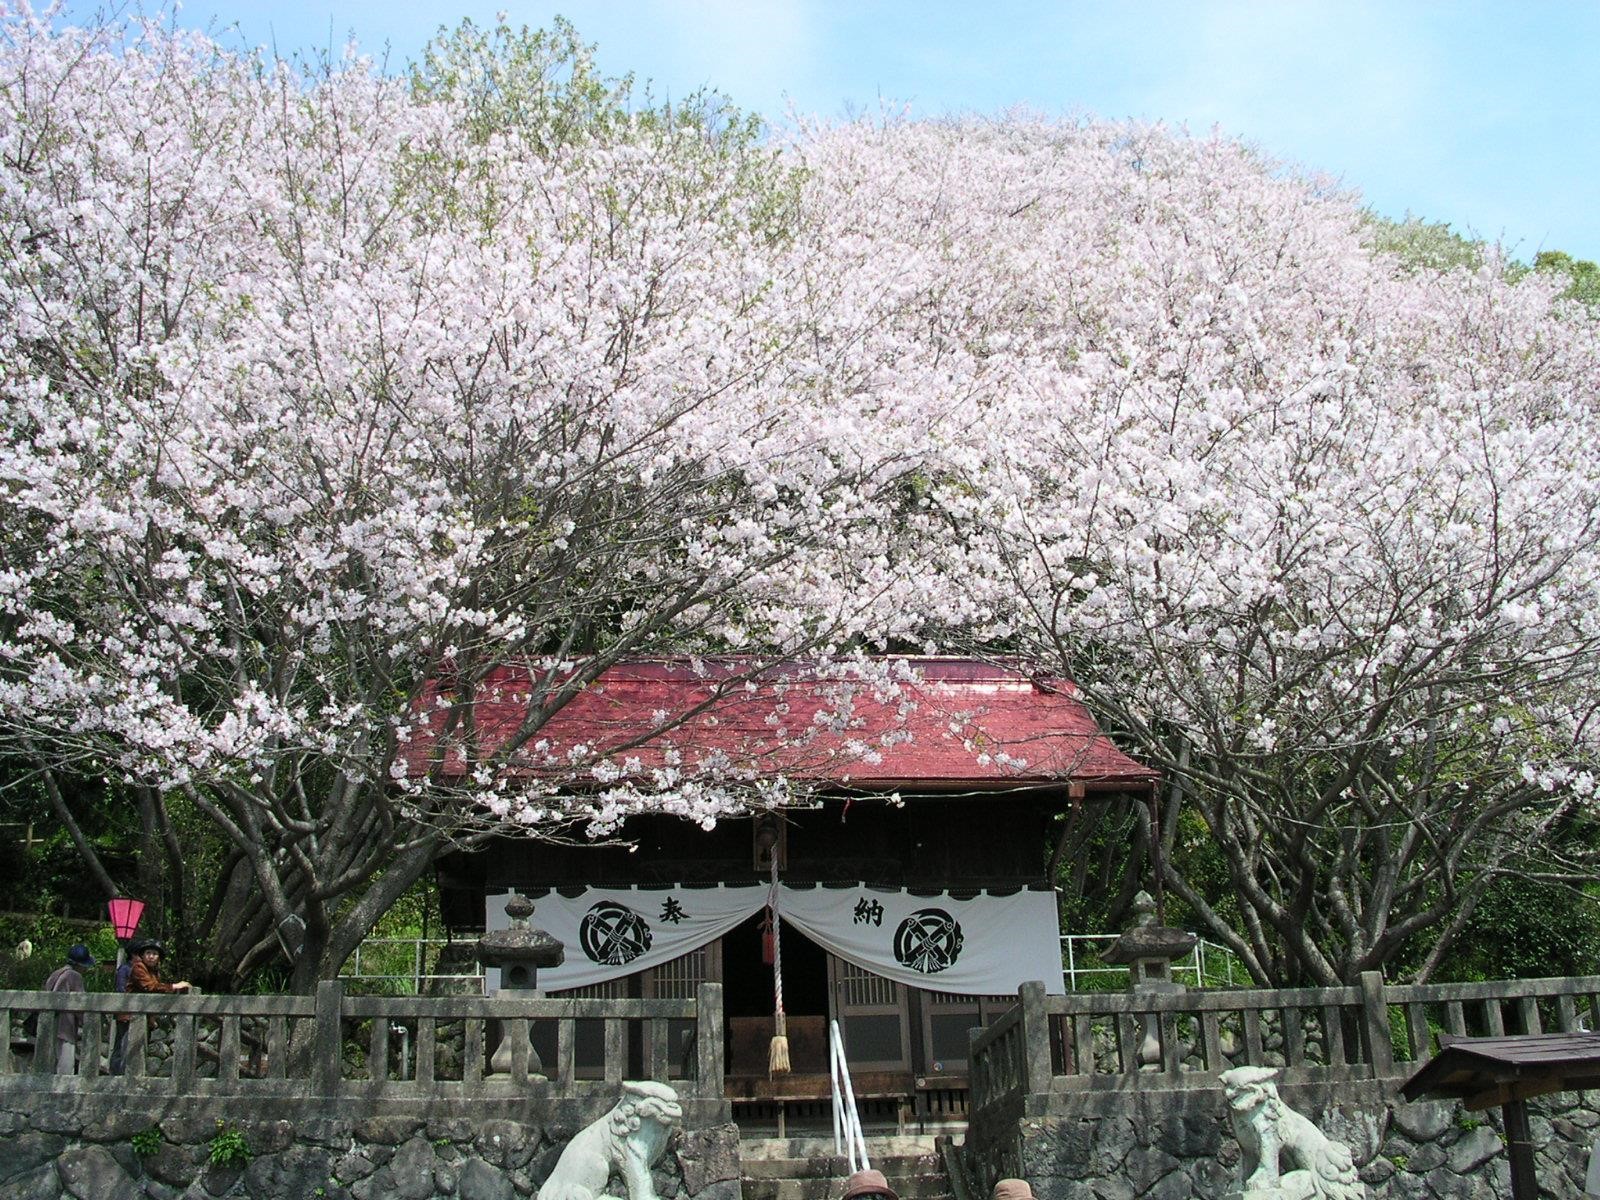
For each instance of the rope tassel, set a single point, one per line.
(778, 1055)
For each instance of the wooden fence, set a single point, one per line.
(333, 1045)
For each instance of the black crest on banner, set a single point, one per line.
(929, 940)
(613, 934)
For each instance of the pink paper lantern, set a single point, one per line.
(125, 914)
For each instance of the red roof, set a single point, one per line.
(950, 722)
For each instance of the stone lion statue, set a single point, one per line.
(1285, 1156)
(627, 1141)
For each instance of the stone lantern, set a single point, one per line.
(1149, 950)
(519, 952)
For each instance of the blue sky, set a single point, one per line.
(1484, 115)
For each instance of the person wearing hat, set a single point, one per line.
(144, 975)
(1011, 1189)
(119, 984)
(868, 1185)
(68, 978)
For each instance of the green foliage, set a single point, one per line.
(228, 1147)
(415, 914)
(1203, 864)
(271, 980)
(541, 92)
(1093, 974)
(50, 936)
(40, 868)
(1424, 245)
(1433, 246)
(1583, 275)
(542, 83)
(1092, 876)
(1526, 930)
(146, 1142)
(1400, 1037)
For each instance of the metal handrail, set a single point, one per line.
(418, 952)
(846, 1120)
(1201, 963)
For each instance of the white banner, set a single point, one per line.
(611, 932)
(986, 945)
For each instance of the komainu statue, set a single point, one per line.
(1285, 1156)
(627, 1141)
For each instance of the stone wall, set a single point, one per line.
(60, 1147)
(1149, 1145)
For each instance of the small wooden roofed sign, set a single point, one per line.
(944, 723)
(1483, 1072)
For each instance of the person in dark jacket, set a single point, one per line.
(143, 975)
(68, 978)
(145, 972)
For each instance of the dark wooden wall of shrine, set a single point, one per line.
(937, 842)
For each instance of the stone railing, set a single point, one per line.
(386, 1051)
(1118, 1092)
(1113, 1041)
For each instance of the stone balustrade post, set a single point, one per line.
(708, 1040)
(1036, 1068)
(1375, 1012)
(329, 1037)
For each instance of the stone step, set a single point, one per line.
(829, 1167)
(919, 1187)
(806, 1168)
(878, 1146)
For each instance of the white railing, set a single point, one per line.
(1206, 962)
(402, 964)
(847, 1137)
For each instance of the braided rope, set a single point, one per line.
(777, 942)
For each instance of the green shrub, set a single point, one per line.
(228, 1147)
(49, 937)
(1512, 933)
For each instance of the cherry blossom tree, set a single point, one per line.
(1315, 531)
(321, 387)
(321, 384)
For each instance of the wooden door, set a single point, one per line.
(873, 1016)
(947, 1019)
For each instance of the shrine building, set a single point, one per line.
(912, 862)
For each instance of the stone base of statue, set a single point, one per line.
(1296, 1185)
(513, 1038)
